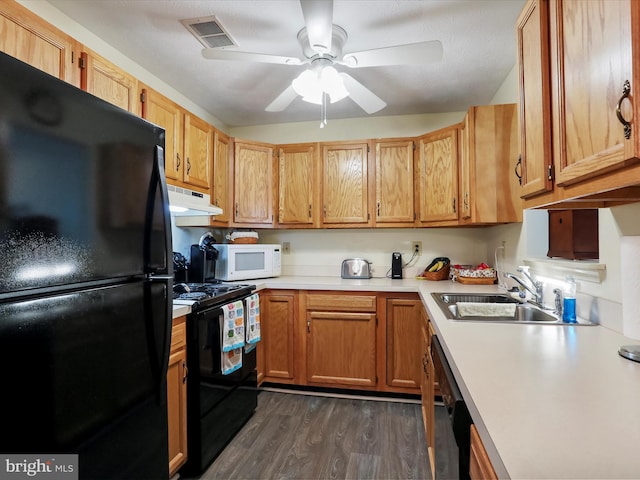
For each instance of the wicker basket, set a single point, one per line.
(442, 274)
(244, 240)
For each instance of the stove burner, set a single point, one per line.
(201, 295)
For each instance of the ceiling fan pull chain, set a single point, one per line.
(323, 110)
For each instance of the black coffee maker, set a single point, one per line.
(180, 266)
(202, 268)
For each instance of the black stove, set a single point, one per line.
(205, 295)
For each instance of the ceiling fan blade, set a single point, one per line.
(365, 98)
(318, 19)
(283, 100)
(218, 54)
(409, 54)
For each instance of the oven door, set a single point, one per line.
(453, 422)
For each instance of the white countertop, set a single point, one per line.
(549, 401)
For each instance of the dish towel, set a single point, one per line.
(473, 309)
(231, 361)
(232, 326)
(252, 326)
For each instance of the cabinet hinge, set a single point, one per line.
(413, 144)
(376, 321)
(368, 216)
(73, 56)
(368, 149)
(81, 63)
(550, 173)
(414, 216)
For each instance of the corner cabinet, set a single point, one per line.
(177, 396)
(298, 185)
(27, 37)
(253, 185)
(341, 339)
(395, 201)
(345, 185)
(438, 177)
(489, 191)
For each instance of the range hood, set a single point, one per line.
(188, 203)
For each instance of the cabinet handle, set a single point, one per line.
(378, 208)
(626, 89)
(178, 162)
(236, 210)
(466, 200)
(186, 372)
(324, 209)
(308, 325)
(188, 165)
(309, 210)
(454, 204)
(515, 170)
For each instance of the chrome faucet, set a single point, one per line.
(559, 301)
(536, 290)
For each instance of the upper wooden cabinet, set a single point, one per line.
(438, 176)
(253, 184)
(345, 184)
(160, 110)
(532, 31)
(489, 190)
(298, 185)
(27, 37)
(394, 175)
(222, 153)
(105, 80)
(188, 140)
(198, 151)
(589, 38)
(594, 156)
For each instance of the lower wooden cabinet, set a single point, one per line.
(404, 342)
(277, 312)
(341, 339)
(480, 467)
(177, 396)
(427, 389)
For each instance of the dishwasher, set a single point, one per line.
(453, 421)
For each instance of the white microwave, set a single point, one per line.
(246, 261)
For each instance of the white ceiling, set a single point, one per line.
(478, 39)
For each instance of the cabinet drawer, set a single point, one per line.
(178, 334)
(342, 303)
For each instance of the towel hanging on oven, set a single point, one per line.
(231, 361)
(252, 327)
(232, 326)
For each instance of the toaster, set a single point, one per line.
(356, 268)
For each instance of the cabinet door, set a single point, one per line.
(427, 390)
(403, 342)
(345, 188)
(480, 467)
(277, 312)
(341, 348)
(394, 183)
(177, 396)
(438, 164)
(103, 79)
(465, 145)
(253, 184)
(535, 99)
(297, 184)
(594, 48)
(222, 150)
(27, 37)
(160, 110)
(198, 153)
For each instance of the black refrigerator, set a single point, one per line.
(85, 279)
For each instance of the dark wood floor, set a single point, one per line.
(293, 436)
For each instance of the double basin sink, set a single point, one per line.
(499, 308)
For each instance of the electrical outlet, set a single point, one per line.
(286, 248)
(417, 246)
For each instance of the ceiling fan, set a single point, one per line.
(322, 44)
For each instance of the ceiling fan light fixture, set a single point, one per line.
(311, 85)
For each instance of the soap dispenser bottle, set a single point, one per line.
(569, 303)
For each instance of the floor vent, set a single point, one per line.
(209, 32)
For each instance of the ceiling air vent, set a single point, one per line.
(209, 32)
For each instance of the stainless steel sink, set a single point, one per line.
(524, 312)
